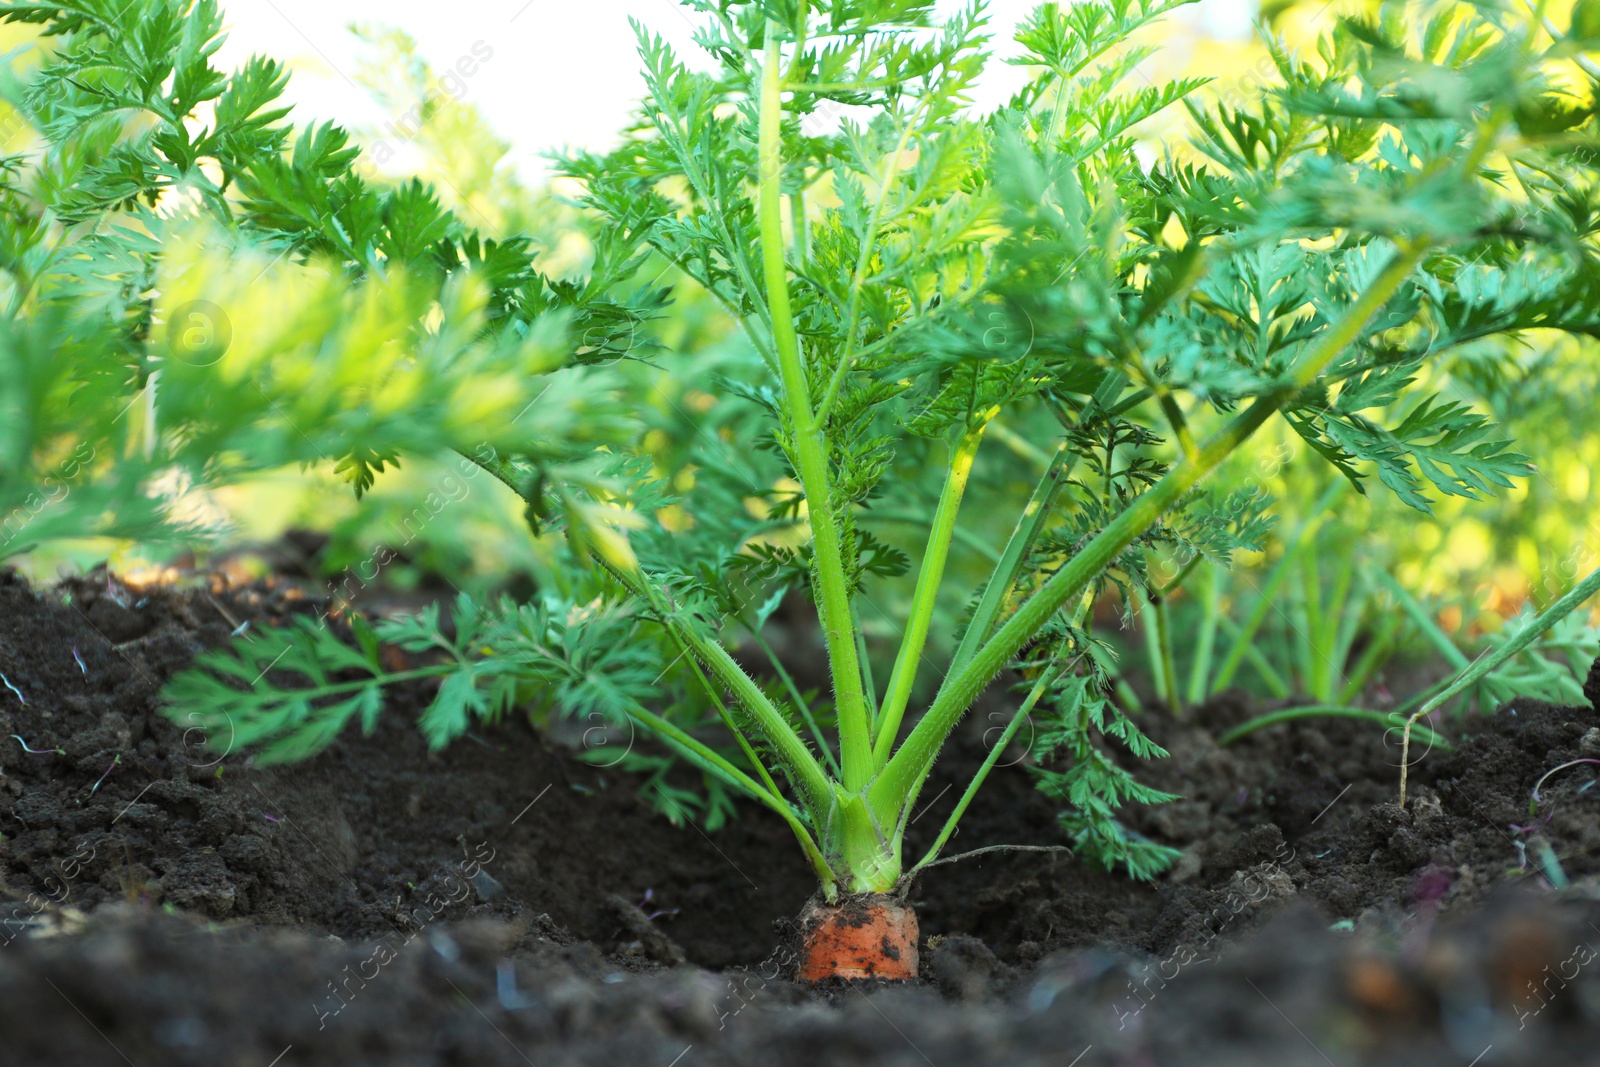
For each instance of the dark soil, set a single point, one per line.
(506, 902)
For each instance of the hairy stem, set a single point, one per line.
(833, 588)
(727, 719)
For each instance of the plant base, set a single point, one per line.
(869, 935)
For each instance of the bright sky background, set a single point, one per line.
(562, 72)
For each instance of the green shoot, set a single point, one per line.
(1492, 661)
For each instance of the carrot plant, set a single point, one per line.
(1341, 234)
(911, 279)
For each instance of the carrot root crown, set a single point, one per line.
(867, 935)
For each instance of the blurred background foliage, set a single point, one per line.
(1471, 565)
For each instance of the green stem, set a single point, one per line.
(929, 578)
(1244, 642)
(1046, 677)
(800, 226)
(808, 774)
(1166, 661)
(1374, 656)
(1344, 620)
(336, 688)
(1269, 675)
(705, 757)
(903, 775)
(810, 777)
(803, 708)
(1166, 401)
(1525, 637)
(1200, 672)
(1416, 700)
(1006, 572)
(1419, 615)
(1313, 650)
(869, 688)
(866, 856)
(727, 717)
(833, 589)
(1540, 623)
(1162, 592)
(1152, 650)
(736, 252)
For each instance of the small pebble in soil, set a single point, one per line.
(505, 978)
(489, 890)
(444, 946)
(187, 1032)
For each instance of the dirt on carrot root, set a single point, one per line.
(505, 901)
(867, 935)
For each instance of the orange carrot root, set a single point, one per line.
(872, 935)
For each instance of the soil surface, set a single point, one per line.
(505, 902)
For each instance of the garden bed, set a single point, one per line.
(506, 902)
